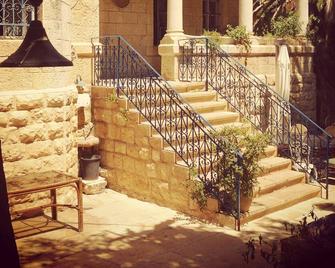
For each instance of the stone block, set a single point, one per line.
(13, 152)
(127, 135)
(113, 132)
(42, 148)
(56, 130)
(128, 163)
(142, 142)
(212, 205)
(120, 119)
(143, 130)
(6, 103)
(160, 191)
(181, 172)
(120, 147)
(151, 170)
(101, 130)
(9, 135)
(42, 115)
(18, 118)
(156, 142)
(144, 154)
(168, 157)
(140, 166)
(29, 102)
(94, 186)
(55, 100)
(39, 132)
(132, 151)
(156, 155)
(3, 119)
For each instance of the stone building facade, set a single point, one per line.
(38, 114)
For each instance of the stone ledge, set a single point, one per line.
(94, 186)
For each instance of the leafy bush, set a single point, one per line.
(288, 26)
(213, 36)
(240, 36)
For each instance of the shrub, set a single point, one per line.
(240, 36)
(288, 26)
(213, 36)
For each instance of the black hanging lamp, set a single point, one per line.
(36, 49)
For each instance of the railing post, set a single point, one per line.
(118, 66)
(207, 65)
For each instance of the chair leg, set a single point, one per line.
(54, 204)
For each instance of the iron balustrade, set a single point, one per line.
(15, 16)
(295, 134)
(118, 65)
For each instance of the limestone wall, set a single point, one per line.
(135, 162)
(262, 62)
(37, 129)
(134, 22)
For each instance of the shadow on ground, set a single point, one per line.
(165, 245)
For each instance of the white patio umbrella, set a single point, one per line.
(283, 73)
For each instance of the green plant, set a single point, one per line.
(253, 146)
(228, 168)
(286, 26)
(240, 36)
(213, 36)
(123, 113)
(111, 97)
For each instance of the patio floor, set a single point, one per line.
(123, 232)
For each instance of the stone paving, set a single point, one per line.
(123, 232)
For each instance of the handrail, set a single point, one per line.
(297, 136)
(116, 64)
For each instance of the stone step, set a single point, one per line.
(201, 96)
(209, 106)
(271, 164)
(187, 86)
(275, 180)
(280, 199)
(215, 118)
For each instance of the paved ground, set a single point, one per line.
(124, 232)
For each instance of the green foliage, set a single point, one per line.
(240, 36)
(111, 97)
(253, 146)
(286, 26)
(214, 36)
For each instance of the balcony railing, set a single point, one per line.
(296, 135)
(15, 16)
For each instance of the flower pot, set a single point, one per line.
(89, 167)
(245, 203)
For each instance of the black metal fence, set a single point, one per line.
(296, 135)
(118, 65)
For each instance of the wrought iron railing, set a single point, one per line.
(118, 65)
(296, 135)
(15, 16)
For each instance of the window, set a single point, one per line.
(210, 14)
(15, 16)
(160, 20)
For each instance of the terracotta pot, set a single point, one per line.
(245, 203)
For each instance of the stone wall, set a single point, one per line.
(135, 162)
(262, 62)
(134, 22)
(37, 130)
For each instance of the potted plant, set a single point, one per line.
(252, 146)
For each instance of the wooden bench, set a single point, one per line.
(42, 182)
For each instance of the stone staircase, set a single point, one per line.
(279, 186)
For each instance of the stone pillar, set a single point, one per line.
(303, 13)
(168, 48)
(174, 16)
(246, 14)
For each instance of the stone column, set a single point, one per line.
(246, 14)
(174, 16)
(168, 48)
(303, 13)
